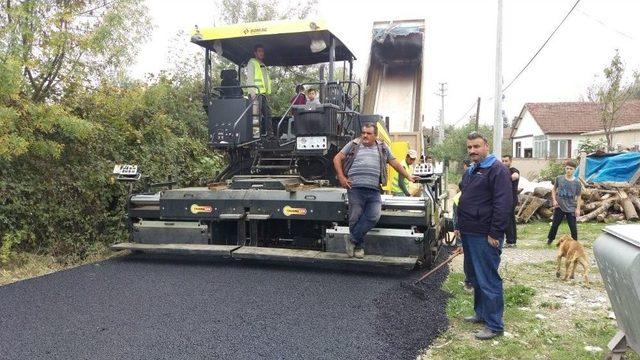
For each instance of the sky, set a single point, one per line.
(460, 40)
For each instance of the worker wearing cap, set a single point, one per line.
(400, 185)
(258, 77)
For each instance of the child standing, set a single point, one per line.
(566, 201)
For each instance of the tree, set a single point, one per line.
(454, 146)
(611, 95)
(63, 45)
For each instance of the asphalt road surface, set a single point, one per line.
(144, 308)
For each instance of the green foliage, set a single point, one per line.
(454, 146)
(589, 145)
(551, 171)
(62, 46)
(612, 93)
(518, 295)
(67, 116)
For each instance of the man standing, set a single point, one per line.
(399, 183)
(361, 166)
(511, 231)
(483, 215)
(566, 201)
(258, 76)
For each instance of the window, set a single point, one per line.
(544, 147)
(528, 153)
(518, 148)
(540, 144)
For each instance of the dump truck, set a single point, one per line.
(278, 199)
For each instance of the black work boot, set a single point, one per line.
(487, 334)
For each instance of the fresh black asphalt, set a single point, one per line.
(149, 308)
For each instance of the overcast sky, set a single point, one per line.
(460, 42)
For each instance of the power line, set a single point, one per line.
(542, 47)
(587, 15)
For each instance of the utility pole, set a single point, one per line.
(477, 114)
(442, 95)
(497, 115)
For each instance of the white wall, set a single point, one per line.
(528, 126)
(527, 129)
(628, 139)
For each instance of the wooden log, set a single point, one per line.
(629, 211)
(635, 201)
(601, 217)
(602, 209)
(613, 184)
(546, 213)
(542, 192)
(591, 206)
(611, 218)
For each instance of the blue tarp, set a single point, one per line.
(619, 167)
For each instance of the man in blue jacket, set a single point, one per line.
(483, 216)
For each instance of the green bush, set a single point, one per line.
(551, 171)
(518, 295)
(56, 193)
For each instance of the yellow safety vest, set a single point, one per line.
(259, 79)
(395, 184)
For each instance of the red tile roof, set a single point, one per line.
(578, 117)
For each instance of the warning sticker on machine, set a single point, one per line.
(197, 209)
(288, 211)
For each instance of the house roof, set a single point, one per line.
(576, 117)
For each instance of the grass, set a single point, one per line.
(528, 337)
(27, 265)
(536, 232)
(562, 332)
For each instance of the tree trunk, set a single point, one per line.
(602, 209)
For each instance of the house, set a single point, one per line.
(554, 130)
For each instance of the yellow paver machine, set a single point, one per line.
(278, 199)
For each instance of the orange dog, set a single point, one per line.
(573, 252)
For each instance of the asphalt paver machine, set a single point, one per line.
(278, 199)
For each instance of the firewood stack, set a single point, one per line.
(603, 202)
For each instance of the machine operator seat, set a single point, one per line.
(230, 78)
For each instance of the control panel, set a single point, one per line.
(126, 172)
(311, 143)
(427, 169)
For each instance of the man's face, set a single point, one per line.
(477, 149)
(410, 160)
(368, 136)
(259, 54)
(568, 170)
(506, 161)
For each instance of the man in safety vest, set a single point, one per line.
(258, 76)
(400, 185)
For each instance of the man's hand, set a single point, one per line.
(493, 242)
(555, 203)
(413, 178)
(577, 212)
(344, 182)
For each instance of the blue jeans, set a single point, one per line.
(365, 205)
(488, 301)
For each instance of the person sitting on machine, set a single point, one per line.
(312, 97)
(299, 98)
